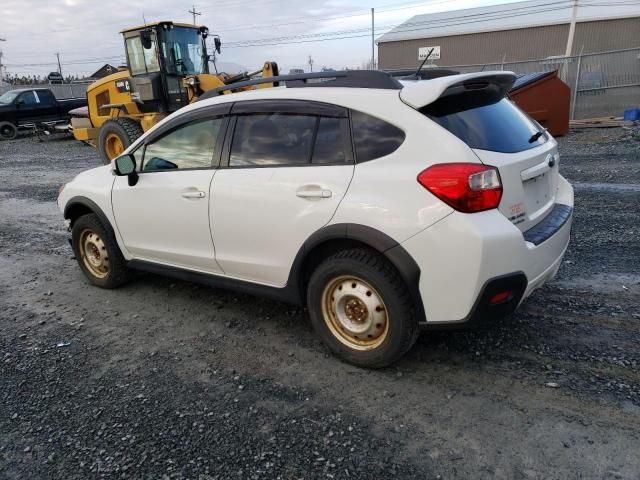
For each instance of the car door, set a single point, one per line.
(27, 105)
(48, 108)
(286, 166)
(164, 218)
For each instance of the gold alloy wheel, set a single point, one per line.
(355, 313)
(94, 254)
(113, 145)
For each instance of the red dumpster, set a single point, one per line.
(546, 98)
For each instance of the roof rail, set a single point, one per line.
(346, 78)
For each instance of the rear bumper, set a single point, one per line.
(463, 256)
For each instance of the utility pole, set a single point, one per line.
(310, 62)
(1, 40)
(194, 13)
(572, 29)
(373, 29)
(59, 66)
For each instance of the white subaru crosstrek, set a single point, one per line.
(385, 206)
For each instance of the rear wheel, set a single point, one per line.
(361, 309)
(115, 136)
(97, 252)
(8, 131)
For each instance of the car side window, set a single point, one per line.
(28, 98)
(331, 141)
(46, 98)
(272, 139)
(189, 146)
(374, 138)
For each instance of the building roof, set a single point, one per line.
(506, 16)
(103, 71)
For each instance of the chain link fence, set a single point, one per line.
(602, 84)
(61, 92)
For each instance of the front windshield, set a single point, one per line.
(182, 51)
(9, 96)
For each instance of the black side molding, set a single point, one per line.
(286, 294)
(549, 225)
(403, 262)
(84, 203)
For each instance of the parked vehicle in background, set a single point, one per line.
(29, 108)
(384, 206)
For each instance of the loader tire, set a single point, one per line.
(115, 136)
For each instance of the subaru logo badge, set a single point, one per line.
(551, 161)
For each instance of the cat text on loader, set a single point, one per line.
(168, 68)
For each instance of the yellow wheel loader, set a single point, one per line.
(167, 68)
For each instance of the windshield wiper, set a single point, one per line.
(537, 135)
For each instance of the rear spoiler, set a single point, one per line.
(421, 93)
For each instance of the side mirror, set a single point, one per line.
(217, 44)
(125, 165)
(145, 38)
(20, 102)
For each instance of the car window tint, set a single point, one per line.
(330, 141)
(28, 98)
(374, 138)
(499, 126)
(46, 97)
(190, 146)
(272, 139)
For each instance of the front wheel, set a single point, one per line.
(97, 252)
(8, 131)
(361, 308)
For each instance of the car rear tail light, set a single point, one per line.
(467, 187)
(501, 297)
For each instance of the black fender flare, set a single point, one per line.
(75, 202)
(394, 252)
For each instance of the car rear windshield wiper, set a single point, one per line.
(537, 135)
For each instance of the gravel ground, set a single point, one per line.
(167, 379)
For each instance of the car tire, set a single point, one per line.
(97, 252)
(115, 136)
(8, 131)
(361, 308)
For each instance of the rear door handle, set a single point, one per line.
(319, 193)
(196, 194)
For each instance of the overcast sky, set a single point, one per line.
(85, 32)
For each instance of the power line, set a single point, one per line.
(488, 16)
(360, 32)
(346, 34)
(347, 14)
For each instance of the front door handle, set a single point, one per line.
(318, 193)
(196, 194)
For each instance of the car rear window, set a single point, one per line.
(374, 138)
(499, 126)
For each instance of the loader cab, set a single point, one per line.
(159, 57)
